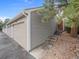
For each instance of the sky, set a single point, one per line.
(10, 8)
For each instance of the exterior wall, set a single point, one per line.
(12, 31)
(8, 30)
(4, 30)
(53, 25)
(39, 31)
(28, 27)
(29, 31)
(20, 32)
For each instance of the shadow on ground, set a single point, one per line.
(9, 49)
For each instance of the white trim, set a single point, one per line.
(29, 32)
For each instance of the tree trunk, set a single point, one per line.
(61, 26)
(74, 29)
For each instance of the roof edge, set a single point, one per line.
(23, 13)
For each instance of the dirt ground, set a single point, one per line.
(65, 47)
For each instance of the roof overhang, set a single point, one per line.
(23, 14)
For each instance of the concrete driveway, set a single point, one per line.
(9, 49)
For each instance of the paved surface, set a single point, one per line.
(9, 49)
